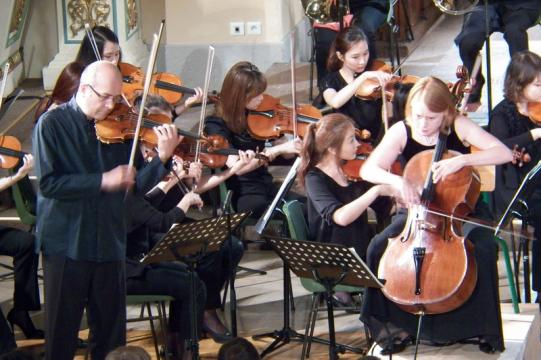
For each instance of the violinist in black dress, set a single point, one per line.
(511, 122)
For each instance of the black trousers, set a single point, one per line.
(215, 268)
(72, 285)
(171, 279)
(20, 245)
(7, 340)
(511, 22)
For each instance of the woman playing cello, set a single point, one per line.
(430, 110)
(515, 123)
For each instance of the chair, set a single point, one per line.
(298, 230)
(24, 197)
(146, 301)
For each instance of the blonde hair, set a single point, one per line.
(436, 96)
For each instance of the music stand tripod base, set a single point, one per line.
(189, 242)
(329, 264)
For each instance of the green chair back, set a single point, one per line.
(24, 197)
(298, 230)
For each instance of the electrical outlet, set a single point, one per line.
(253, 27)
(236, 28)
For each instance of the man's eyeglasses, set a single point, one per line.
(115, 98)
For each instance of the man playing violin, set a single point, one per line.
(80, 213)
(430, 110)
(516, 124)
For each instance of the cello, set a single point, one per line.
(430, 267)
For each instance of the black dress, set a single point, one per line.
(365, 113)
(513, 128)
(478, 316)
(325, 196)
(251, 191)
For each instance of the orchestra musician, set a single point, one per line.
(109, 50)
(368, 15)
(515, 124)
(430, 109)
(242, 90)
(20, 244)
(153, 217)
(349, 65)
(511, 17)
(336, 207)
(80, 214)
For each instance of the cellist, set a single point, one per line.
(430, 109)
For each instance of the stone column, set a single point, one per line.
(13, 14)
(122, 16)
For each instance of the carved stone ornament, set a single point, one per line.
(93, 12)
(131, 7)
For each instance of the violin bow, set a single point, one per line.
(148, 77)
(210, 60)
(293, 84)
(92, 40)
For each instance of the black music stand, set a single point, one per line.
(188, 243)
(518, 208)
(328, 264)
(286, 334)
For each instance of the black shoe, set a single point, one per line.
(396, 346)
(220, 338)
(23, 321)
(351, 307)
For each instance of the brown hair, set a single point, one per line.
(242, 83)
(128, 353)
(326, 134)
(436, 96)
(238, 349)
(65, 87)
(343, 42)
(524, 68)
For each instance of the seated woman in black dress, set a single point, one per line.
(242, 90)
(336, 206)
(19, 244)
(430, 109)
(510, 122)
(348, 64)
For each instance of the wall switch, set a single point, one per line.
(253, 27)
(236, 28)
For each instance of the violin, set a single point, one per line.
(370, 89)
(430, 267)
(214, 151)
(165, 84)
(10, 152)
(120, 125)
(352, 168)
(271, 119)
(534, 112)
